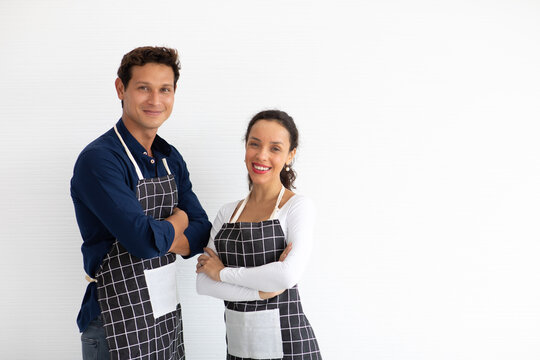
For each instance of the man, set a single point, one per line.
(136, 210)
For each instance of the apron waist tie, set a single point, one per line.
(89, 279)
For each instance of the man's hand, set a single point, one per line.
(180, 222)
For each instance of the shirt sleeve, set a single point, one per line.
(199, 227)
(217, 289)
(100, 183)
(279, 275)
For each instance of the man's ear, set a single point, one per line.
(119, 85)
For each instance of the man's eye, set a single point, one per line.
(166, 90)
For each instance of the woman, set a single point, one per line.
(259, 248)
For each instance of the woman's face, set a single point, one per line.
(267, 151)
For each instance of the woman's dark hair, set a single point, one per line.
(281, 117)
(148, 54)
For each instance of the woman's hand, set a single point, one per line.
(209, 264)
(264, 295)
(285, 252)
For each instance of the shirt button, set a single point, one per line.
(152, 161)
(145, 153)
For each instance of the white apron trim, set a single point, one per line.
(161, 284)
(166, 166)
(139, 173)
(254, 334)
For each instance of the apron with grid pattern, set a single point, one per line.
(245, 244)
(138, 298)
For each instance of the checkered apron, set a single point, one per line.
(243, 244)
(133, 330)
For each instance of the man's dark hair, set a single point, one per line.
(149, 54)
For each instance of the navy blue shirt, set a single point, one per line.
(103, 189)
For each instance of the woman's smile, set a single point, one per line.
(260, 169)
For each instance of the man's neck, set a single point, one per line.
(145, 137)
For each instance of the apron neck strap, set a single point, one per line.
(278, 201)
(166, 166)
(139, 173)
(272, 216)
(137, 169)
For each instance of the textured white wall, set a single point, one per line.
(419, 125)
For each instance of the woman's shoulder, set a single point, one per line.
(226, 211)
(298, 202)
(230, 206)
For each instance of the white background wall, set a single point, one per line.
(419, 143)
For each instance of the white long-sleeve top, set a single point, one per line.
(297, 219)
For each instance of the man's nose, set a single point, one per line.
(154, 97)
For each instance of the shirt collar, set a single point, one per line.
(135, 147)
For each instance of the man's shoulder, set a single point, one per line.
(166, 148)
(174, 152)
(105, 147)
(104, 141)
(174, 158)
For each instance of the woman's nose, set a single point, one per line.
(262, 154)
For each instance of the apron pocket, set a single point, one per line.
(161, 284)
(254, 334)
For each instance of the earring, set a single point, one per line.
(287, 168)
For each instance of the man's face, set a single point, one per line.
(148, 97)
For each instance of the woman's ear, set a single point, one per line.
(291, 155)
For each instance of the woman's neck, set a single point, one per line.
(264, 193)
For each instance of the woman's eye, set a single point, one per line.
(253, 144)
(276, 149)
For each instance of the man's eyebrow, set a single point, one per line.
(140, 82)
